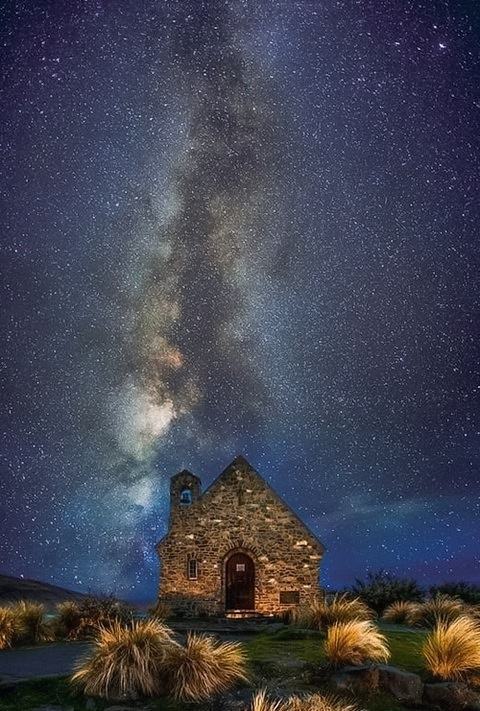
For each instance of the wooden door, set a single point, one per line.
(240, 582)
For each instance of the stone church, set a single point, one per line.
(237, 548)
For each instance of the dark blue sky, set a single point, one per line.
(246, 227)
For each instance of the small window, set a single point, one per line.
(192, 569)
(186, 496)
(289, 597)
(240, 567)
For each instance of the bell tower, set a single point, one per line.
(185, 489)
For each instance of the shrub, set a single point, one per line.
(95, 612)
(468, 592)
(68, 620)
(30, 623)
(203, 668)
(381, 589)
(7, 627)
(127, 660)
(106, 608)
(355, 642)
(439, 609)
(452, 649)
(402, 612)
(324, 612)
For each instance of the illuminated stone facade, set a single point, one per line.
(235, 548)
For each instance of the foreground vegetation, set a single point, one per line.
(271, 654)
(285, 659)
(41, 692)
(381, 589)
(437, 638)
(26, 622)
(273, 660)
(142, 659)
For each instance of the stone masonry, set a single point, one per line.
(238, 514)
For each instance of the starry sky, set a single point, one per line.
(239, 227)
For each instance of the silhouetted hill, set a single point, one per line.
(20, 588)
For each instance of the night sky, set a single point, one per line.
(240, 227)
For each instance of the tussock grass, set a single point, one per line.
(402, 612)
(307, 702)
(441, 608)
(452, 649)
(474, 611)
(30, 623)
(203, 668)
(141, 658)
(160, 611)
(355, 642)
(317, 702)
(261, 702)
(7, 627)
(300, 616)
(127, 660)
(341, 608)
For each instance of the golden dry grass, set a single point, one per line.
(402, 612)
(317, 702)
(307, 702)
(7, 627)
(452, 649)
(341, 608)
(30, 621)
(161, 611)
(261, 702)
(440, 608)
(126, 660)
(475, 611)
(301, 616)
(355, 642)
(203, 667)
(141, 658)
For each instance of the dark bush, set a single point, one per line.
(80, 620)
(381, 589)
(468, 592)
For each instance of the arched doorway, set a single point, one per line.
(240, 582)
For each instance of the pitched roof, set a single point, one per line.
(240, 460)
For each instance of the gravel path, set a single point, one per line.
(36, 662)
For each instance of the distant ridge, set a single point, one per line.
(12, 589)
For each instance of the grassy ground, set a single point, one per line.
(276, 661)
(32, 694)
(290, 644)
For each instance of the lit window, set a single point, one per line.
(192, 569)
(186, 496)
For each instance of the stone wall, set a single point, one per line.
(239, 512)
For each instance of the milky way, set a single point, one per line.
(246, 227)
